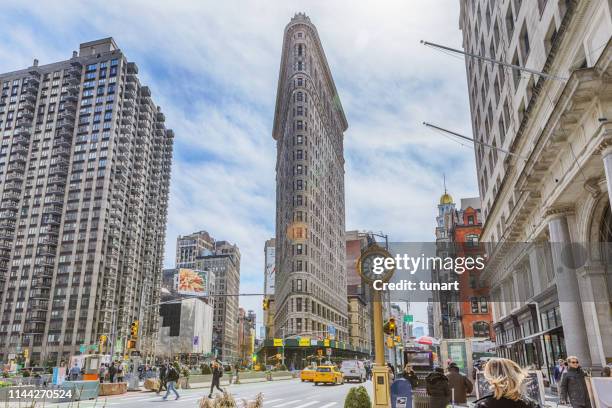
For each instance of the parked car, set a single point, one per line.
(307, 374)
(328, 375)
(353, 370)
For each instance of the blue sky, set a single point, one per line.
(213, 68)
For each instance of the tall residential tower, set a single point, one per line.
(310, 293)
(84, 176)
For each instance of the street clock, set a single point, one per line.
(371, 264)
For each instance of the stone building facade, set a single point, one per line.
(189, 247)
(84, 178)
(554, 193)
(224, 263)
(310, 249)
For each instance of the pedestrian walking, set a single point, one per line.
(459, 384)
(102, 372)
(437, 389)
(75, 372)
(163, 371)
(112, 371)
(606, 372)
(560, 368)
(411, 376)
(217, 373)
(368, 369)
(120, 372)
(172, 376)
(573, 388)
(505, 378)
(391, 371)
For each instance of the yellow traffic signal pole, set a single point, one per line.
(380, 372)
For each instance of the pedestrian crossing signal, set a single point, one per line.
(131, 344)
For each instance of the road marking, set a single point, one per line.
(331, 404)
(307, 404)
(286, 403)
(274, 400)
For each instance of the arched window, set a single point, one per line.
(481, 329)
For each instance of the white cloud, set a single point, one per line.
(213, 67)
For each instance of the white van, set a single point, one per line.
(353, 370)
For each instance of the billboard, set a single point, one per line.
(192, 282)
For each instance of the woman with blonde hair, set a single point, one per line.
(505, 379)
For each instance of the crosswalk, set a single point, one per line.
(241, 400)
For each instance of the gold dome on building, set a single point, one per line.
(446, 199)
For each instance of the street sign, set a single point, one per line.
(408, 318)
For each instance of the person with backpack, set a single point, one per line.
(573, 387)
(459, 384)
(172, 376)
(217, 373)
(505, 379)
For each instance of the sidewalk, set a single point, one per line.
(225, 381)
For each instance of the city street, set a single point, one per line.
(277, 394)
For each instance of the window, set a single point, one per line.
(470, 219)
(481, 329)
(473, 280)
(524, 43)
(471, 240)
(509, 22)
(484, 305)
(474, 304)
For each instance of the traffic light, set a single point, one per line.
(266, 304)
(26, 353)
(103, 339)
(390, 327)
(134, 328)
(131, 344)
(390, 343)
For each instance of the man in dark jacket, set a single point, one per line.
(217, 373)
(163, 371)
(573, 385)
(112, 370)
(437, 389)
(458, 382)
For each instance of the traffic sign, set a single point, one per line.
(408, 318)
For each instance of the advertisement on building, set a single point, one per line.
(192, 282)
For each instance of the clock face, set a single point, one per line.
(371, 264)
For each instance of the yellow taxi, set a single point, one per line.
(328, 375)
(307, 374)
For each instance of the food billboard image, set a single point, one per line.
(192, 282)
